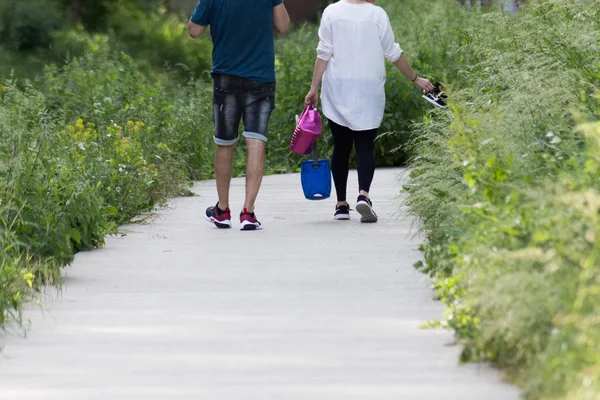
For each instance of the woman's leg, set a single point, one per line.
(340, 161)
(364, 143)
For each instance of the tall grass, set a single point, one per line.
(505, 185)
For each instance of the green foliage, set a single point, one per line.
(159, 39)
(28, 25)
(85, 149)
(55, 30)
(505, 184)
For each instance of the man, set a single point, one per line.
(244, 90)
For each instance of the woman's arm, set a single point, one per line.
(404, 67)
(394, 54)
(313, 95)
(324, 54)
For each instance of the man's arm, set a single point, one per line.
(281, 19)
(196, 30)
(200, 19)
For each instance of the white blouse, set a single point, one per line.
(355, 39)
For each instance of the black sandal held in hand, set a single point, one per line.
(437, 97)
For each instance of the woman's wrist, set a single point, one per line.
(416, 77)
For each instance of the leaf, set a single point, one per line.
(470, 179)
(112, 211)
(75, 236)
(501, 175)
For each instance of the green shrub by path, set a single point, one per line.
(88, 147)
(505, 183)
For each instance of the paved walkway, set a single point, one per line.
(307, 309)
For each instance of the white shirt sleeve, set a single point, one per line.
(391, 49)
(325, 48)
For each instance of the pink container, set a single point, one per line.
(307, 131)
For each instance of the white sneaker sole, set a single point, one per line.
(343, 217)
(249, 226)
(435, 103)
(219, 224)
(366, 212)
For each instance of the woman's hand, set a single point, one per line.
(424, 84)
(312, 97)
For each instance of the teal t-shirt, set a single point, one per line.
(242, 34)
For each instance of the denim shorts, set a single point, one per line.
(237, 99)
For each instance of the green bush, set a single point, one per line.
(38, 32)
(505, 185)
(28, 25)
(87, 148)
(159, 40)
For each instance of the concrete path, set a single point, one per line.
(307, 309)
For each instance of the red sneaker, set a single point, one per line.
(221, 219)
(249, 222)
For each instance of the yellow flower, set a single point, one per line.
(29, 277)
(163, 146)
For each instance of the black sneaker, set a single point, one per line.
(364, 206)
(221, 219)
(342, 213)
(438, 98)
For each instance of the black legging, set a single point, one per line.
(364, 142)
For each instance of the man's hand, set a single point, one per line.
(312, 97)
(424, 84)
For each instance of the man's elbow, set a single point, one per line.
(284, 31)
(283, 28)
(195, 30)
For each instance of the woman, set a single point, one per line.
(355, 39)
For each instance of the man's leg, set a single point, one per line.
(223, 171)
(260, 102)
(255, 169)
(227, 108)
